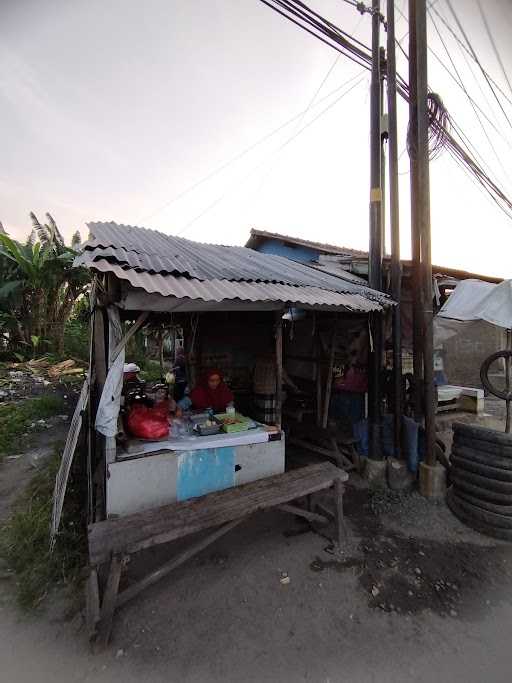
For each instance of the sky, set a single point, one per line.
(113, 109)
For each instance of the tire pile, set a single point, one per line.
(481, 476)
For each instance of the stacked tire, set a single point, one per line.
(481, 476)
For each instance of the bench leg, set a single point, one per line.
(341, 530)
(108, 604)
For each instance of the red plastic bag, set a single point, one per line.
(148, 423)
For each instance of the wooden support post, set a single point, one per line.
(166, 568)
(109, 601)
(92, 604)
(279, 368)
(328, 381)
(318, 353)
(341, 529)
(100, 353)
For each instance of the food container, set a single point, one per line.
(234, 423)
(205, 429)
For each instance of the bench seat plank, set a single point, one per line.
(170, 522)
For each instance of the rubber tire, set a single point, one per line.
(483, 458)
(482, 527)
(485, 504)
(483, 446)
(484, 372)
(481, 515)
(496, 485)
(459, 462)
(460, 482)
(482, 433)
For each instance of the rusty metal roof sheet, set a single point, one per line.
(153, 252)
(226, 290)
(177, 267)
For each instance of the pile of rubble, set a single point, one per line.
(36, 376)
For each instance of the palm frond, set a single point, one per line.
(42, 230)
(59, 240)
(76, 241)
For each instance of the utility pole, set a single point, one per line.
(417, 298)
(375, 255)
(432, 476)
(424, 230)
(396, 272)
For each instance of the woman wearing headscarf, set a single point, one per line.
(211, 392)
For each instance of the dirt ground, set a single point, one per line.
(418, 596)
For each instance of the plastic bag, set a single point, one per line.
(148, 423)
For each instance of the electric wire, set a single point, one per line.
(461, 83)
(493, 43)
(214, 172)
(464, 47)
(256, 168)
(461, 29)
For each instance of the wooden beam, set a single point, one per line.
(92, 604)
(318, 378)
(100, 354)
(133, 329)
(341, 529)
(328, 380)
(335, 454)
(168, 567)
(301, 512)
(279, 368)
(109, 601)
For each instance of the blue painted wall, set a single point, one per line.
(204, 471)
(300, 254)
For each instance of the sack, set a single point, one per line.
(148, 423)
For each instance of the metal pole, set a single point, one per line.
(424, 228)
(375, 256)
(396, 274)
(415, 284)
(383, 137)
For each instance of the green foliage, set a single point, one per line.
(24, 540)
(16, 418)
(39, 287)
(150, 370)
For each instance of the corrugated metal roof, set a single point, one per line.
(257, 235)
(226, 290)
(155, 253)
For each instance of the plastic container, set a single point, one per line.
(204, 430)
(242, 423)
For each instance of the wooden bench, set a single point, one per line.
(114, 540)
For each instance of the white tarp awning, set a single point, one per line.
(478, 300)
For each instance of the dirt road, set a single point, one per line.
(418, 597)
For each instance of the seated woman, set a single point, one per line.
(211, 392)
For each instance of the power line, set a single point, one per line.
(461, 29)
(494, 47)
(461, 82)
(279, 149)
(464, 47)
(333, 38)
(244, 152)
